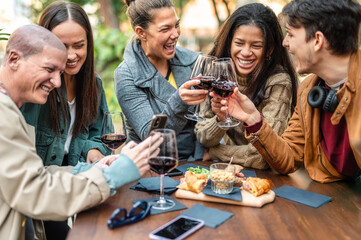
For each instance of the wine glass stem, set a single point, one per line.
(161, 198)
(227, 116)
(196, 110)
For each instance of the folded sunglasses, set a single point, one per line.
(120, 217)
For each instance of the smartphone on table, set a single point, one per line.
(177, 229)
(158, 121)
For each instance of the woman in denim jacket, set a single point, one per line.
(154, 76)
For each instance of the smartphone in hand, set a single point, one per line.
(158, 121)
(178, 228)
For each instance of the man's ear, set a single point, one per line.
(14, 59)
(141, 33)
(320, 41)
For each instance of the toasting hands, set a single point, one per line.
(241, 107)
(192, 96)
(216, 106)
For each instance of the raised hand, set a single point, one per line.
(93, 155)
(216, 106)
(139, 152)
(192, 96)
(241, 107)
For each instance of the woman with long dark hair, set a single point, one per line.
(252, 37)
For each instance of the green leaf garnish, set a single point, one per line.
(198, 170)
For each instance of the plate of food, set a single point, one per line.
(194, 180)
(255, 191)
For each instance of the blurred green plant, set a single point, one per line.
(4, 36)
(109, 45)
(37, 6)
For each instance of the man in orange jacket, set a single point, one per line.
(326, 124)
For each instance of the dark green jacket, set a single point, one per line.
(51, 147)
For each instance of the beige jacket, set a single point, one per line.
(276, 109)
(300, 143)
(27, 188)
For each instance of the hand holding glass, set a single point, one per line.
(223, 86)
(163, 160)
(202, 71)
(113, 132)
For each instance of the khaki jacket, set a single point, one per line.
(29, 189)
(276, 109)
(300, 143)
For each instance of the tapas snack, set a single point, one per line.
(239, 179)
(195, 179)
(257, 186)
(222, 175)
(222, 178)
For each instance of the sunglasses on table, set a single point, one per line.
(120, 217)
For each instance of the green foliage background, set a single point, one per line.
(109, 45)
(3, 36)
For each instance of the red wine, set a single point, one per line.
(113, 141)
(223, 88)
(206, 82)
(162, 165)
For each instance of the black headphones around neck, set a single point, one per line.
(320, 97)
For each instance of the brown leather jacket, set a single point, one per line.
(301, 140)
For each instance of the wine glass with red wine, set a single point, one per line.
(223, 86)
(113, 133)
(163, 162)
(202, 70)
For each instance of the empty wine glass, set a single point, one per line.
(163, 162)
(223, 86)
(202, 70)
(113, 132)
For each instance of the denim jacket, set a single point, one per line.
(50, 147)
(143, 91)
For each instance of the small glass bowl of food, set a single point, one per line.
(222, 178)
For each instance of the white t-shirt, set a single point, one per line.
(72, 109)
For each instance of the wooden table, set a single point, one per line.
(282, 219)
